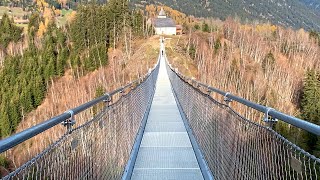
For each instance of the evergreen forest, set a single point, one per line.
(81, 46)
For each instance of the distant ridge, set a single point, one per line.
(289, 13)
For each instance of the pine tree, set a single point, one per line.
(26, 99)
(8, 31)
(38, 91)
(268, 63)
(99, 92)
(137, 22)
(5, 127)
(217, 45)
(14, 115)
(205, 27)
(49, 55)
(315, 35)
(311, 110)
(62, 53)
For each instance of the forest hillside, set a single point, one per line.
(52, 65)
(47, 69)
(288, 13)
(266, 64)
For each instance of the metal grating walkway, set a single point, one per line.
(165, 151)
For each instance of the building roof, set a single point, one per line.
(162, 13)
(164, 22)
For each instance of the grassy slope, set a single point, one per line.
(19, 13)
(16, 12)
(62, 20)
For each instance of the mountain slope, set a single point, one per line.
(289, 13)
(315, 4)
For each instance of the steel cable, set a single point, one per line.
(235, 147)
(98, 149)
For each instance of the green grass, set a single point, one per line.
(4, 161)
(65, 12)
(24, 26)
(16, 12)
(19, 13)
(62, 20)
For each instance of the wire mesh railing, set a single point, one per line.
(235, 147)
(97, 149)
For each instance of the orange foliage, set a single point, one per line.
(63, 2)
(178, 16)
(71, 17)
(42, 30)
(57, 12)
(265, 28)
(41, 4)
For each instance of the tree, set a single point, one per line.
(137, 23)
(311, 110)
(14, 115)
(205, 27)
(315, 35)
(38, 90)
(5, 127)
(196, 27)
(62, 53)
(63, 3)
(8, 31)
(100, 90)
(33, 26)
(268, 63)
(217, 45)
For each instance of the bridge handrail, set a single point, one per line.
(10, 142)
(300, 123)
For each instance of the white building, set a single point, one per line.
(164, 25)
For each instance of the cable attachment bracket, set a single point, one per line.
(69, 122)
(108, 99)
(227, 99)
(269, 119)
(209, 91)
(121, 91)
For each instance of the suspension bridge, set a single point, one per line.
(167, 126)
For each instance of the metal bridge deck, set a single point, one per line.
(165, 151)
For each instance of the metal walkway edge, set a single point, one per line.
(165, 151)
